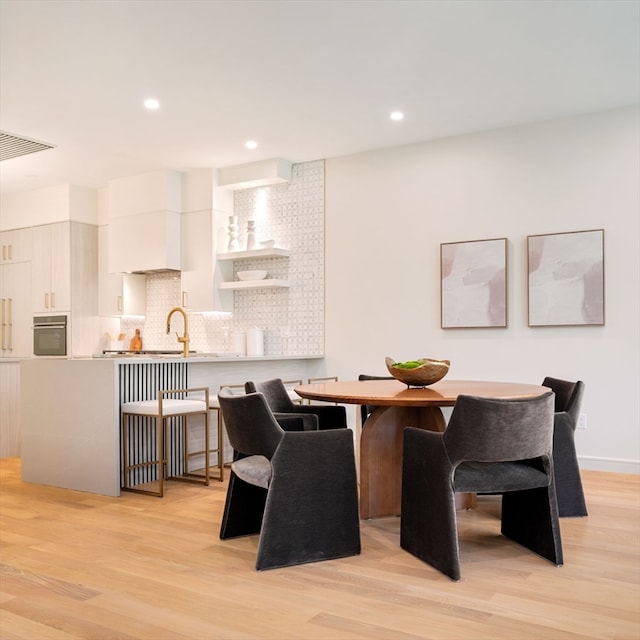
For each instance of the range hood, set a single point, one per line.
(144, 223)
(255, 174)
(145, 243)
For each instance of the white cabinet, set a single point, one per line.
(51, 267)
(202, 274)
(118, 294)
(15, 310)
(267, 283)
(15, 246)
(64, 279)
(9, 409)
(15, 294)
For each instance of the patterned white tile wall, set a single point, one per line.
(292, 214)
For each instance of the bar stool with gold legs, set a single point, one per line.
(138, 441)
(214, 405)
(317, 380)
(289, 385)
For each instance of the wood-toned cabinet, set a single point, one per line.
(9, 409)
(15, 246)
(51, 267)
(15, 310)
(64, 279)
(119, 294)
(15, 294)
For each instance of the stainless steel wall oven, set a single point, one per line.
(50, 336)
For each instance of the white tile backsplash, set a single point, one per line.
(292, 214)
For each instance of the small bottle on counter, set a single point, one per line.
(136, 342)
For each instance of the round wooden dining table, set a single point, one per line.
(397, 406)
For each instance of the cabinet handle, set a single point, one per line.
(3, 313)
(185, 299)
(119, 305)
(4, 252)
(9, 324)
(46, 300)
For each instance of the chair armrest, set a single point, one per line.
(329, 416)
(312, 501)
(564, 446)
(314, 466)
(562, 421)
(292, 422)
(425, 465)
(423, 447)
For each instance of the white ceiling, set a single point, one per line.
(307, 79)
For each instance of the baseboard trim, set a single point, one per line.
(615, 465)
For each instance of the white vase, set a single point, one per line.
(251, 235)
(255, 342)
(234, 245)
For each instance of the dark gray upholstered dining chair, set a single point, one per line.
(313, 416)
(500, 446)
(298, 490)
(366, 409)
(569, 489)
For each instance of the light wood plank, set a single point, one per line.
(78, 565)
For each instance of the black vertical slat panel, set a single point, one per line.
(142, 381)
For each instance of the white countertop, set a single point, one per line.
(196, 358)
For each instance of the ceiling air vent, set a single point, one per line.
(12, 146)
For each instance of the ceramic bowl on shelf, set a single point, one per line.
(418, 373)
(252, 275)
(267, 244)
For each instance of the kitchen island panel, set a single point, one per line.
(69, 423)
(9, 408)
(70, 408)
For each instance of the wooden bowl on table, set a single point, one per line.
(418, 373)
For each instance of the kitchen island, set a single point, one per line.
(70, 408)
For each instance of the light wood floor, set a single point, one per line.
(77, 565)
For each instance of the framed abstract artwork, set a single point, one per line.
(566, 278)
(473, 284)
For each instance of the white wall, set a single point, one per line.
(388, 211)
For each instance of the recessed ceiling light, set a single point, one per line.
(152, 104)
(397, 115)
(251, 144)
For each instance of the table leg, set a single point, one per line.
(381, 455)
